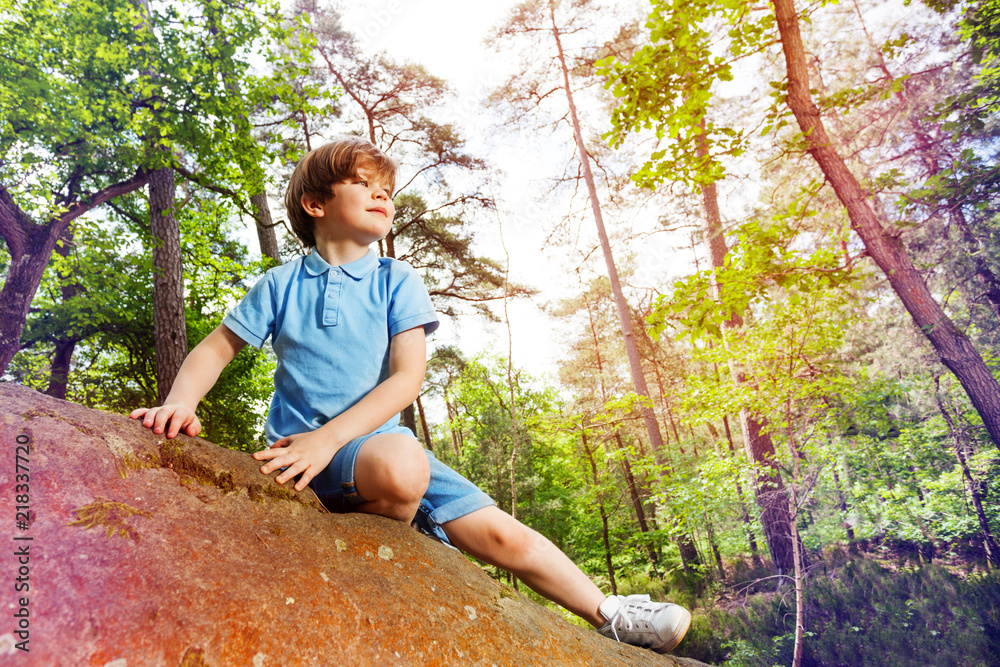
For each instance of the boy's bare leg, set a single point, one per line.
(392, 472)
(492, 535)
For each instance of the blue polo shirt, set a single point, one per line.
(330, 328)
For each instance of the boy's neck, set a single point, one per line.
(336, 254)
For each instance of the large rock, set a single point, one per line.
(142, 551)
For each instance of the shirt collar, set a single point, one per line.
(358, 269)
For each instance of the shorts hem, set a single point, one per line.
(456, 509)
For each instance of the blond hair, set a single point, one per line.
(331, 163)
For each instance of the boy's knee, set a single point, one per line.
(401, 469)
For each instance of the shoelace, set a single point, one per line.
(644, 607)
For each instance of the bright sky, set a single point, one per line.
(443, 35)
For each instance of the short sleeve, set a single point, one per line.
(410, 306)
(253, 318)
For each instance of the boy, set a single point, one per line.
(348, 329)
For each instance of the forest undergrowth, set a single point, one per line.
(878, 606)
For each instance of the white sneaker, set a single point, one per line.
(636, 620)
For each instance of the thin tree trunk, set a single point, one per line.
(673, 424)
(423, 425)
(768, 487)
(633, 487)
(663, 398)
(605, 533)
(169, 326)
(744, 512)
(628, 333)
(885, 247)
(800, 604)
(451, 427)
(637, 506)
(842, 504)
(265, 227)
(989, 542)
(715, 548)
(63, 356)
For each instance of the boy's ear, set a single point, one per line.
(312, 207)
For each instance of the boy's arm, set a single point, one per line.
(198, 374)
(309, 453)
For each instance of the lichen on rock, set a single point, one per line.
(109, 515)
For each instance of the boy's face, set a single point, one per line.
(360, 211)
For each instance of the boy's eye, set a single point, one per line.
(362, 182)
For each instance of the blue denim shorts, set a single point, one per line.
(448, 496)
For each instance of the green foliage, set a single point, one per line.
(492, 427)
(67, 91)
(86, 85)
(667, 87)
(763, 267)
(980, 27)
(795, 308)
(911, 487)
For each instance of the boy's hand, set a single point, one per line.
(174, 417)
(306, 453)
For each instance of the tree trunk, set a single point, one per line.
(27, 266)
(628, 333)
(265, 228)
(770, 494)
(63, 356)
(886, 248)
(689, 555)
(408, 418)
(768, 487)
(451, 426)
(744, 512)
(799, 567)
(715, 548)
(637, 506)
(59, 368)
(605, 533)
(423, 425)
(842, 504)
(989, 542)
(800, 611)
(169, 326)
(633, 487)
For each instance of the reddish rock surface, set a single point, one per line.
(143, 551)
